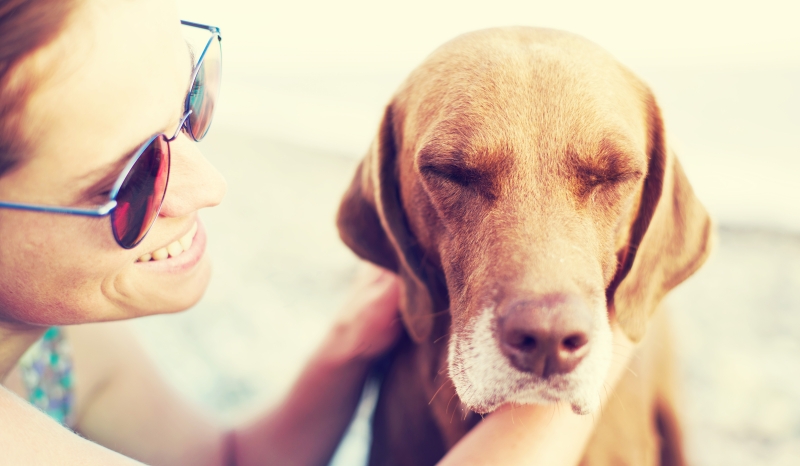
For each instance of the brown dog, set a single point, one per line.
(521, 187)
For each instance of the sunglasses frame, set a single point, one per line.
(107, 208)
(215, 34)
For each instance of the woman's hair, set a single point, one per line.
(25, 26)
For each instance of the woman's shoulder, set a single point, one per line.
(23, 444)
(47, 373)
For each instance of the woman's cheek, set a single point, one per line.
(51, 267)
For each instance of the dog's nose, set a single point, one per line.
(547, 335)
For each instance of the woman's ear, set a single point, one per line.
(670, 238)
(373, 224)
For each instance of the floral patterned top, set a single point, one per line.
(46, 370)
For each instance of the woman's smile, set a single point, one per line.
(173, 249)
(180, 254)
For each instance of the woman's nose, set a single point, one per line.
(193, 182)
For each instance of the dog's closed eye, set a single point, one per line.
(461, 176)
(609, 168)
(604, 185)
(592, 177)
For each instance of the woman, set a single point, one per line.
(94, 117)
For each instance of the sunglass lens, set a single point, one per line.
(140, 196)
(205, 89)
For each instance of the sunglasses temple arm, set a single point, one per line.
(213, 29)
(101, 211)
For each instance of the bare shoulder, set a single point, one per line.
(23, 444)
(100, 353)
(122, 401)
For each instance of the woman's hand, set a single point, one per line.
(368, 323)
(306, 427)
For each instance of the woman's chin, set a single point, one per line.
(170, 294)
(144, 291)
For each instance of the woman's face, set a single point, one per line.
(118, 74)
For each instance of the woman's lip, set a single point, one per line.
(185, 260)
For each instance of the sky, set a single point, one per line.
(306, 33)
(726, 74)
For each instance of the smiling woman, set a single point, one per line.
(99, 114)
(86, 114)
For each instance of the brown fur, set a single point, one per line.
(518, 161)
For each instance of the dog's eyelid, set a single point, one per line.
(468, 178)
(593, 178)
(609, 169)
(455, 173)
(613, 161)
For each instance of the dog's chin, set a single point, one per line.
(580, 407)
(484, 379)
(538, 392)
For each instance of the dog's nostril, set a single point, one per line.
(574, 342)
(521, 341)
(527, 343)
(547, 335)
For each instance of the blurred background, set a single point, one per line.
(304, 86)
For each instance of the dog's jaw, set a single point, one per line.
(485, 379)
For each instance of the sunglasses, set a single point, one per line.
(136, 197)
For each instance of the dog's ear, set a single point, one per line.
(669, 240)
(373, 224)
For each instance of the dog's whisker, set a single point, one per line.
(605, 389)
(437, 392)
(452, 416)
(552, 414)
(522, 421)
(447, 408)
(615, 396)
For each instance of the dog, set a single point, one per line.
(521, 186)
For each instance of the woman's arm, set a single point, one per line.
(124, 403)
(128, 407)
(549, 435)
(27, 436)
(307, 426)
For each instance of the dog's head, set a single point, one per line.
(521, 179)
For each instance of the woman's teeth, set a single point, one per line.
(174, 249)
